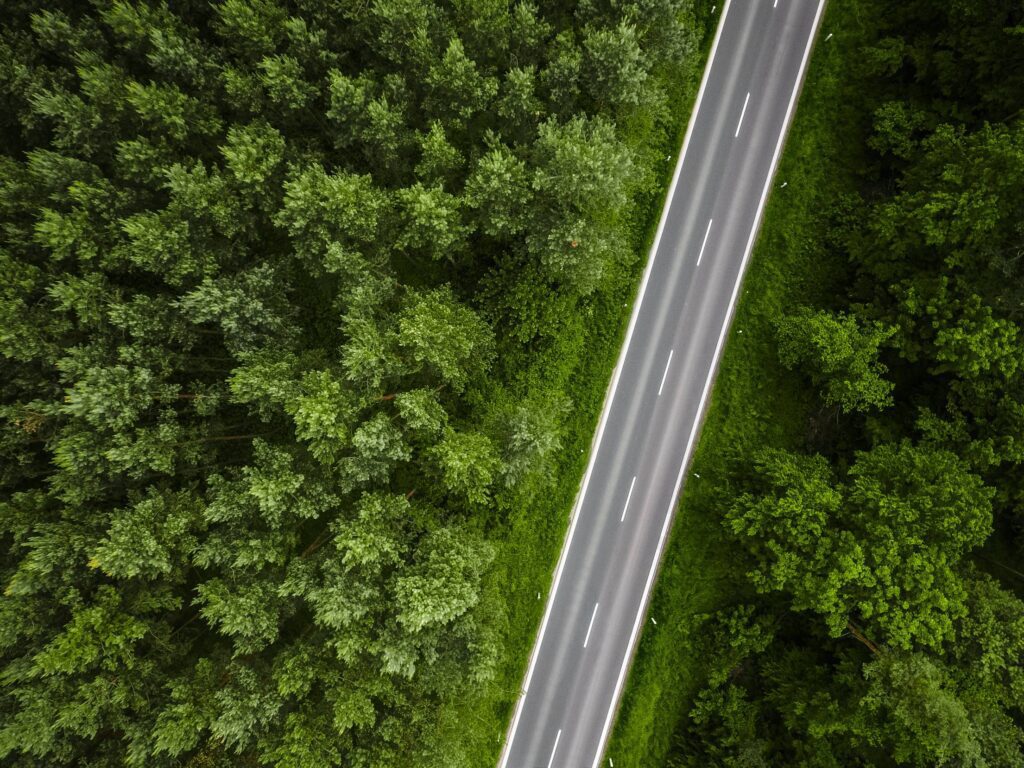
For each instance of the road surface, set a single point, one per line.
(660, 386)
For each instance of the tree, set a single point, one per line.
(468, 463)
(444, 584)
(884, 549)
(445, 335)
(433, 222)
(321, 210)
(972, 343)
(925, 722)
(252, 28)
(285, 83)
(896, 129)
(499, 190)
(724, 719)
(247, 306)
(561, 77)
(253, 152)
(841, 354)
(533, 438)
(153, 538)
(518, 104)
(439, 160)
(324, 413)
(580, 183)
(615, 65)
(990, 643)
(456, 89)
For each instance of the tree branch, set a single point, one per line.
(859, 635)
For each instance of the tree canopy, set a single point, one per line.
(259, 395)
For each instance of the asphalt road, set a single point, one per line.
(660, 386)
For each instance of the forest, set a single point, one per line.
(292, 293)
(863, 473)
(306, 312)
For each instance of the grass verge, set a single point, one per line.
(755, 400)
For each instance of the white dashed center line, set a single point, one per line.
(742, 114)
(665, 374)
(551, 760)
(628, 497)
(704, 242)
(589, 628)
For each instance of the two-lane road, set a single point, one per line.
(660, 387)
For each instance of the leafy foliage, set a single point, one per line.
(263, 414)
(882, 549)
(840, 355)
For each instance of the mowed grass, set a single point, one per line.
(755, 401)
(580, 364)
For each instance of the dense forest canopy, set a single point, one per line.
(885, 625)
(268, 274)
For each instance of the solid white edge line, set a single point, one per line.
(705, 242)
(628, 497)
(665, 374)
(742, 113)
(590, 626)
(707, 386)
(551, 759)
(609, 397)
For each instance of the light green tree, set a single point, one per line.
(840, 352)
(883, 549)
